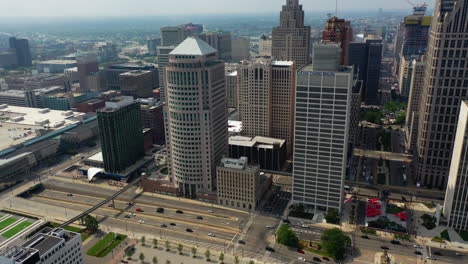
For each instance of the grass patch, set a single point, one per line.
(438, 239)
(84, 235)
(445, 235)
(106, 245)
(7, 222)
(428, 221)
(314, 247)
(429, 205)
(392, 209)
(368, 231)
(463, 234)
(15, 230)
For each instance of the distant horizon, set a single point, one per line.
(144, 8)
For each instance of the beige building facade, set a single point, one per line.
(238, 184)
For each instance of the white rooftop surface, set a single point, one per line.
(234, 163)
(261, 142)
(96, 157)
(193, 46)
(282, 63)
(54, 119)
(234, 126)
(232, 73)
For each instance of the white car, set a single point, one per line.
(431, 257)
(304, 225)
(211, 234)
(141, 221)
(269, 226)
(301, 259)
(210, 211)
(417, 246)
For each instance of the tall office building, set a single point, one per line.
(196, 115)
(445, 85)
(152, 44)
(456, 196)
(415, 33)
(264, 46)
(173, 35)
(138, 83)
(163, 59)
(221, 41)
(193, 29)
(291, 39)
(266, 98)
(366, 57)
(152, 116)
(121, 134)
(339, 31)
(231, 89)
(414, 100)
(111, 74)
(22, 50)
(323, 104)
(87, 65)
(240, 49)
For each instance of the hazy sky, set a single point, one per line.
(163, 7)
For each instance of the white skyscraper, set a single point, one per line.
(323, 104)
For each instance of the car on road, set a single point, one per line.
(141, 221)
(110, 205)
(160, 210)
(365, 237)
(301, 251)
(163, 225)
(417, 253)
(129, 204)
(317, 259)
(128, 216)
(395, 242)
(437, 253)
(305, 226)
(211, 234)
(210, 211)
(459, 254)
(326, 258)
(189, 230)
(417, 246)
(179, 212)
(242, 242)
(431, 257)
(384, 247)
(173, 224)
(270, 249)
(199, 217)
(301, 259)
(69, 194)
(269, 226)
(139, 210)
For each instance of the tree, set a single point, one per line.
(286, 237)
(168, 246)
(142, 257)
(143, 240)
(221, 257)
(91, 224)
(401, 118)
(155, 243)
(180, 249)
(129, 254)
(335, 242)
(332, 216)
(373, 116)
(251, 262)
(194, 252)
(236, 259)
(207, 255)
(155, 260)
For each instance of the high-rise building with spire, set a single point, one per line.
(291, 39)
(196, 116)
(445, 86)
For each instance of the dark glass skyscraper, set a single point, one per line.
(23, 52)
(121, 134)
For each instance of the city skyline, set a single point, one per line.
(88, 8)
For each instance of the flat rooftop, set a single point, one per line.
(259, 142)
(135, 73)
(58, 62)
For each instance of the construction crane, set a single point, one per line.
(418, 8)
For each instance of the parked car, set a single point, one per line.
(384, 247)
(211, 234)
(317, 259)
(365, 237)
(139, 210)
(179, 212)
(128, 216)
(210, 211)
(199, 217)
(173, 224)
(69, 194)
(395, 242)
(189, 230)
(326, 258)
(163, 225)
(242, 242)
(160, 210)
(417, 252)
(301, 251)
(301, 259)
(269, 226)
(141, 221)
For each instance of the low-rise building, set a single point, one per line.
(238, 183)
(49, 246)
(55, 66)
(268, 153)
